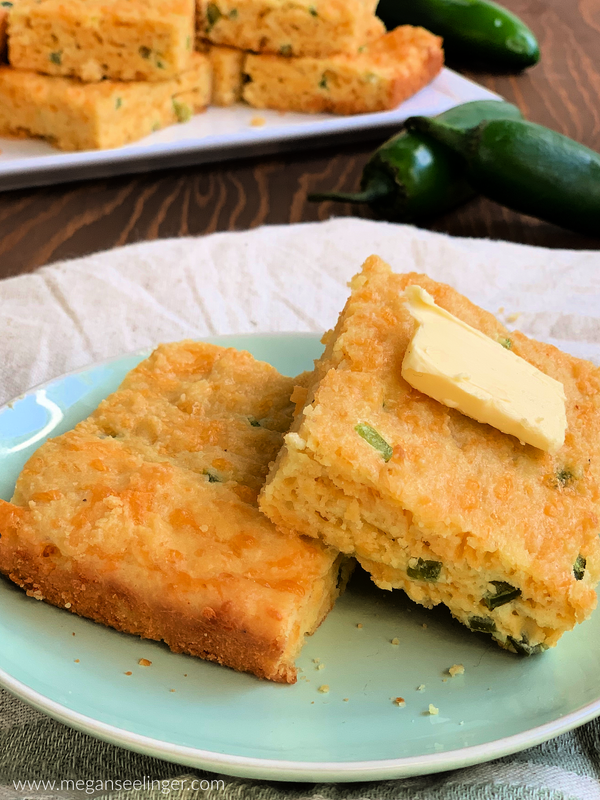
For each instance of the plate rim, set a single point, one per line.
(280, 769)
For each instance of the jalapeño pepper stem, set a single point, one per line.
(377, 189)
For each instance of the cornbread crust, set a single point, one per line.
(144, 516)
(303, 28)
(454, 492)
(388, 71)
(130, 40)
(227, 72)
(76, 116)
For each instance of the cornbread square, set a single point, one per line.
(227, 72)
(144, 517)
(450, 510)
(303, 28)
(128, 40)
(388, 71)
(76, 116)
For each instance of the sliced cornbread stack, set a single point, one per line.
(144, 517)
(431, 501)
(88, 74)
(327, 55)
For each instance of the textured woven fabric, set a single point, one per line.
(289, 278)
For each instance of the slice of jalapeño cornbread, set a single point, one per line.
(144, 517)
(130, 40)
(300, 28)
(227, 72)
(389, 70)
(75, 116)
(430, 501)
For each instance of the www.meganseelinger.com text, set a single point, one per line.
(96, 785)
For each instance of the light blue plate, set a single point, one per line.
(227, 722)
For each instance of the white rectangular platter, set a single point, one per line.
(224, 133)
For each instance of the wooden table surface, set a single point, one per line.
(41, 225)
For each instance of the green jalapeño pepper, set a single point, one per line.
(470, 28)
(412, 177)
(526, 167)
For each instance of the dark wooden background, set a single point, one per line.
(38, 226)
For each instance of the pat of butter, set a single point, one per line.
(462, 368)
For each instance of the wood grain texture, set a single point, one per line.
(38, 226)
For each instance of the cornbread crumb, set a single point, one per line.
(346, 699)
(143, 662)
(400, 701)
(321, 666)
(421, 688)
(129, 673)
(456, 669)
(258, 122)
(316, 660)
(172, 690)
(433, 710)
(77, 661)
(359, 625)
(395, 641)
(324, 688)
(513, 317)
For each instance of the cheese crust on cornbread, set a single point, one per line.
(144, 517)
(430, 501)
(130, 40)
(227, 72)
(303, 28)
(75, 116)
(388, 71)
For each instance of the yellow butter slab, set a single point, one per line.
(462, 368)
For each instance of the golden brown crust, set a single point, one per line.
(210, 636)
(144, 516)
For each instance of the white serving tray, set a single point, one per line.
(223, 133)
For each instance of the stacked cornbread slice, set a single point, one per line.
(318, 55)
(431, 501)
(100, 73)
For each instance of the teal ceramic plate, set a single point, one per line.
(195, 713)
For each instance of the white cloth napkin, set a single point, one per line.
(285, 278)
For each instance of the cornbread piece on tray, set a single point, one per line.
(75, 116)
(450, 510)
(387, 72)
(302, 28)
(144, 517)
(227, 72)
(130, 40)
